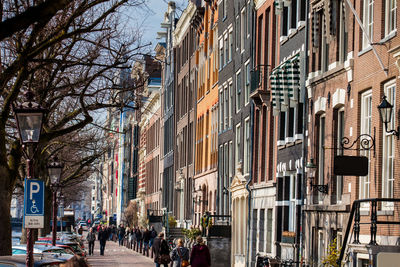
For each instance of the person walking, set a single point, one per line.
(161, 251)
(91, 237)
(121, 234)
(103, 236)
(146, 240)
(200, 256)
(138, 234)
(180, 255)
(153, 235)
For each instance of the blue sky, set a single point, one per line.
(149, 17)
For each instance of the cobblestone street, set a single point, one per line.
(115, 255)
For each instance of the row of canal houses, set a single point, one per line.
(242, 116)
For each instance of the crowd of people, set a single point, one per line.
(151, 244)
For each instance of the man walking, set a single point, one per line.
(103, 236)
(121, 234)
(91, 237)
(146, 240)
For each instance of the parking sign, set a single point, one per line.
(34, 204)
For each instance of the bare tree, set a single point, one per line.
(68, 57)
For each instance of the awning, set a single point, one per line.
(285, 84)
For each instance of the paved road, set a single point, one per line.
(116, 256)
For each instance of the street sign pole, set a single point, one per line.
(29, 231)
(33, 211)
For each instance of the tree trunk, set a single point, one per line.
(5, 222)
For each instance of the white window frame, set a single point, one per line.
(237, 146)
(246, 146)
(230, 88)
(247, 82)
(221, 110)
(339, 178)
(238, 90)
(389, 147)
(231, 44)
(365, 128)
(368, 22)
(321, 154)
(390, 14)
(226, 48)
(221, 53)
(226, 106)
(243, 27)
(292, 203)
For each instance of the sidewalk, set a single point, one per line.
(115, 255)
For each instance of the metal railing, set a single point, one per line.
(356, 215)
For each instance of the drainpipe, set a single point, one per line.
(251, 141)
(304, 145)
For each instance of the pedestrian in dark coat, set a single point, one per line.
(91, 237)
(200, 256)
(103, 237)
(160, 247)
(146, 240)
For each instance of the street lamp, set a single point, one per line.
(55, 170)
(385, 112)
(29, 118)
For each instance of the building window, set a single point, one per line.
(237, 32)
(221, 110)
(366, 116)
(221, 53)
(226, 49)
(237, 145)
(321, 150)
(243, 22)
(226, 107)
(390, 16)
(388, 145)
(339, 125)
(261, 233)
(247, 83)
(269, 231)
(247, 154)
(230, 40)
(230, 88)
(224, 9)
(368, 21)
(238, 90)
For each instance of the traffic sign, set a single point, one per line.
(34, 204)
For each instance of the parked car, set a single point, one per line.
(47, 251)
(19, 261)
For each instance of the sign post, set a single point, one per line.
(34, 204)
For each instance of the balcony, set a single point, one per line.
(259, 87)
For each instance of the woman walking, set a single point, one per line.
(180, 255)
(200, 256)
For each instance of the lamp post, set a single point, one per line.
(29, 117)
(385, 111)
(61, 198)
(55, 170)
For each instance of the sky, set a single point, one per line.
(149, 17)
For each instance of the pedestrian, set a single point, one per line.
(121, 234)
(161, 251)
(80, 230)
(200, 256)
(180, 255)
(146, 240)
(103, 236)
(134, 238)
(91, 237)
(138, 240)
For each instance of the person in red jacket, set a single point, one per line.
(200, 256)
